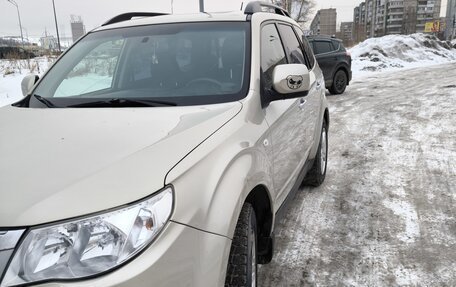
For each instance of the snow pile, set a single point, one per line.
(13, 71)
(399, 52)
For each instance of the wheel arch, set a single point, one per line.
(260, 200)
(326, 117)
(345, 69)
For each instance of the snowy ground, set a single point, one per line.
(386, 214)
(13, 71)
(396, 52)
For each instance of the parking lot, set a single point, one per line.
(386, 214)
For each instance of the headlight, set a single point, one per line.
(90, 245)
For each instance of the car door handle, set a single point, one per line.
(302, 103)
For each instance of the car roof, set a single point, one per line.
(177, 18)
(322, 37)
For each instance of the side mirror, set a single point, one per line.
(291, 78)
(27, 84)
(289, 81)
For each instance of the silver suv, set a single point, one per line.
(161, 151)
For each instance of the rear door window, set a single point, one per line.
(322, 47)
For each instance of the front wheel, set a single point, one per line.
(317, 173)
(339, 83)
(242, 264)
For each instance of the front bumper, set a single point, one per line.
(180, 256)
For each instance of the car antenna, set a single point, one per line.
(242, 5)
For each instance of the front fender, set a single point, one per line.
(213, 181)
(322, 110)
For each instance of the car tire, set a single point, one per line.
(242, 264)
(339, 83)
(317, 173)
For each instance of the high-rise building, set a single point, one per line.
(380, 18)
(359, 23)
(324, 22)
(356, 25)
(450, 31)
(346, 33)
(394, 17)
(77, 27)
(427, 11)
(370, 18)
(374, 18)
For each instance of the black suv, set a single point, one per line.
(334, 60)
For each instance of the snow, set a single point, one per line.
(10, 89)
(408, 214)
(13, 71)
(397, 52)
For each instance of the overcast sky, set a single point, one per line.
(37, 15)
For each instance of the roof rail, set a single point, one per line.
(131, 15)
(259, 6)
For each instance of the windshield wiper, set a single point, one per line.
(123, 103)
(45, 101)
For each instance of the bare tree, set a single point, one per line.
(301, 10)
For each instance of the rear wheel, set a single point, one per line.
(316, 175)
(242, 264)
(339, 83)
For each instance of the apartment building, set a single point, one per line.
(324, 22)
(394, 17)
(450, 31)
(370, 18)
(359, 30)
(427, 11)
(346, 33)
(375, 18)
(379, 27)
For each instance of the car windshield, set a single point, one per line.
(154, 65)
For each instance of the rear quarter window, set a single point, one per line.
(338, 45)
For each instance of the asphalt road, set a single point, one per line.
(386, 214)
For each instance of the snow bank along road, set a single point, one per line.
(386, 215)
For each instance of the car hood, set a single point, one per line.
(62, 163)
